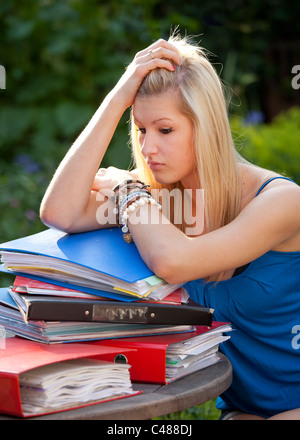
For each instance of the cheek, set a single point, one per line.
(186, 156)
(185, 145)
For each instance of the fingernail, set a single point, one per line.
(173, 67)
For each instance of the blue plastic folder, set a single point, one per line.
(103, 250)
(6, 298)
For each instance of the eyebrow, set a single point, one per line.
(154, 122)
(162, 119)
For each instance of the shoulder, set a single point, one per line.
(278, 194)
(261, 184)
(281, 193)
(275, 211)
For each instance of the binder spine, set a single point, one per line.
(117, 312)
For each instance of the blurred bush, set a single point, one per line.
(62, 57)
(273, 146)
(206, 411)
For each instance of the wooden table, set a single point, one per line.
(156, 400)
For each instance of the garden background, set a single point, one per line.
(62, 57)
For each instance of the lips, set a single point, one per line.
(155, 166)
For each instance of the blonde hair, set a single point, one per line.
(201, 98)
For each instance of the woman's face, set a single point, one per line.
(166, 138)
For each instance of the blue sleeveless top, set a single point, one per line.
(263, 305)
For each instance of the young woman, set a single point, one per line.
(243, 261)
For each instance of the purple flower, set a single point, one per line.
(254, 117)
(31, 215)
(15, 203)
(27, 163)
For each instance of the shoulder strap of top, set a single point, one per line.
(270, 180)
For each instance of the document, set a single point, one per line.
(100, 262)
(38, 379)
(72, 383)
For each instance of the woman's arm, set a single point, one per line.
(70, 203)
(73, 201)
(268, 221)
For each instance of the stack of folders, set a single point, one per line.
(96, 262)
(118, 319)
(59, 386)
(93, 291)
(38, 379)
(174, 355)
(87, 286)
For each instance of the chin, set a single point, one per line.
(163, 180)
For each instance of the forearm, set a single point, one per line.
(69, 192)
(157, 240)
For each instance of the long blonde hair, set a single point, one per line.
(201, 98)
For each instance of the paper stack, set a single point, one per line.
(175, 355)
(94, 288)
(96, 262)
(51, 331)
(92, 285)
(72, 383)
(38, 379)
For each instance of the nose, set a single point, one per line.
(148, 145)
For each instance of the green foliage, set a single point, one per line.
(62, 57)
(66, 56)
(206, 411)
(273, 146)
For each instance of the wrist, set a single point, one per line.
(119, 98)
(115, 104)
(129, 196)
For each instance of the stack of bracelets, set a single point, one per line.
(127, 197)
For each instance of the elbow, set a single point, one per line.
(167, 268)
(52, 219)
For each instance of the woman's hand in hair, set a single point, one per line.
(160, 54)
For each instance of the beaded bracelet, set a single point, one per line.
(120, 191)
(128, 196)
(130, 207)
(126, 183)
(124, 187)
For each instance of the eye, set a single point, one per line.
(166, 130)
(142, 130)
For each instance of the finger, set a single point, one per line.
(160, 53)
(160, 49)
(145, 67)
(96, 184)
(162, 64)
(165, 53)
(162, 58)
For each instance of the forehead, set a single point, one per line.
(156, 107)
